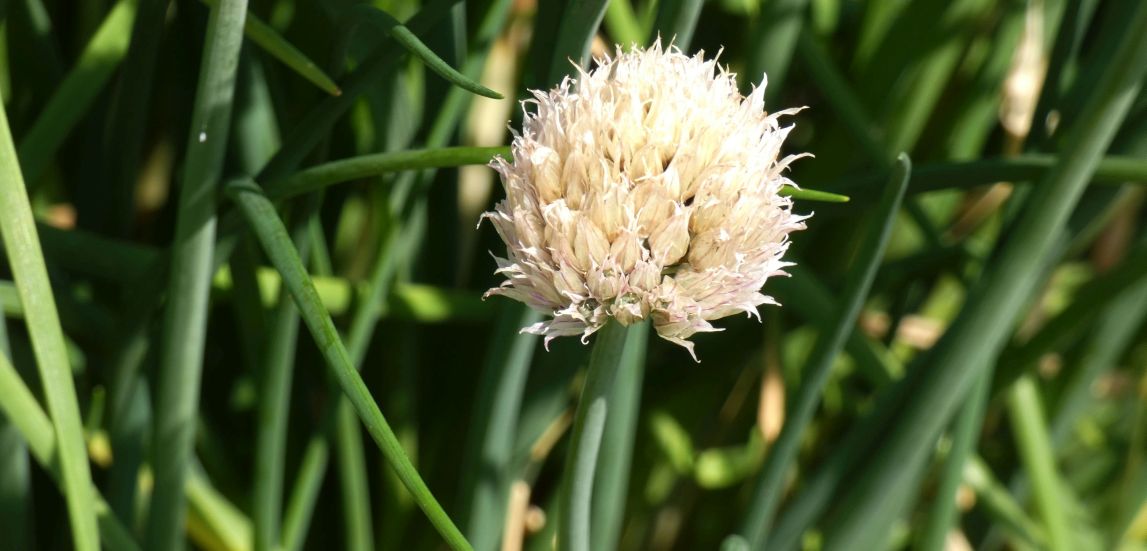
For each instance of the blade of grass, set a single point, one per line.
(975, 338)
(978, 114)
(1000, 506)
(767, 490)
(304, 496)
(15, 481)
(95, 255)
(249, 304)
(267, 38)
(772, 43)
(15, 487)
(362, 13)
(185, 318)
(1132, 498)
(487, 477)
(256, 136)
(622, 23)
(611, 485)
(129, 407)
(576, 494)
(354, 168)
(1071, 22)
(318, 122)
(129, 414)
(32, 17)
(380, 282)
(125, 135)
(964, 435)
(26, 260)
(212, 519)
(355, 487)
(1038, 459)
(676, 21)
(810, 300)
(845, 104)
(406, 301)
(261, 215)
(10, 300)
(575, 31)
(75, 94)
(21, 407)
(804, 194)
(341, 421)
(1114, 331)
(1111, 170)
(274, 402)
(932, 70)
(1087, 303)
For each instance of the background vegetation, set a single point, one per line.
(216, 214)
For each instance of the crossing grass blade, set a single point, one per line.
(1114, 331)
(1038, 458)
(773, 43)
(1089, 301)
(487, 477)
(676, 21)
(26, 261)
(321, 176)
(274, 406)
(75, 95)
(979, 331)
(25, 413)
(318, 121)
(185, 319)
(767, 490)
(999, 505)
(578, 24)
(15, 486)
(1111, 170)
(267, 38)
(622, 23)
(964, 436)
(260, 214)
(344, 170)
(353, 484)
(360, 14)
(129, 114)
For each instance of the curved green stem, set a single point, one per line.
(26, 260)
(268, 227)
(767, 492)
(185, 321)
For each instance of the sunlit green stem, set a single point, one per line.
(585, 438)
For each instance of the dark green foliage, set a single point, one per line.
(241, 285)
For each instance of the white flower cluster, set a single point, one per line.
(648, 188)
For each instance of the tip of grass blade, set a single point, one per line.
(404, 37)
(802, 194)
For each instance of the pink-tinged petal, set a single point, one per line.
(646, 188)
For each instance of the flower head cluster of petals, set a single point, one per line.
(648, 188)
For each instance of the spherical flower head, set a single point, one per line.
(648, 188)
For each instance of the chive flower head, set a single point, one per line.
(647, 188)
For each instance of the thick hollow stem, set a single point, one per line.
(585, 440)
